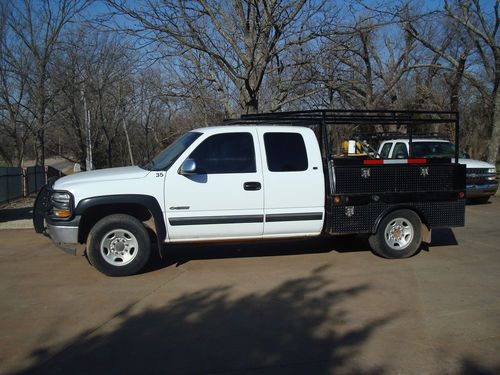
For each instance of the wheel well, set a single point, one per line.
(419, 213)
(93, 214)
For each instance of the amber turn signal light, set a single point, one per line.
(62, 213)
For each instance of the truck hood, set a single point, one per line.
(471, 163)
(101, 175)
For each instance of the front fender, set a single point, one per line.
(147, 201)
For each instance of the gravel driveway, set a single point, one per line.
(318, 307)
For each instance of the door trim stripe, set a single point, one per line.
(272, 218)
(241, 219)
(204, 220)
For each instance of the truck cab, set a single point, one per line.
(212, 184)
(481, 181)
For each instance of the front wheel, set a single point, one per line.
(118, 245)
(399, 235)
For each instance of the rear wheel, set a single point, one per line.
(399, 235)
(118, 245)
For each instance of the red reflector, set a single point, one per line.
(417, 161)
(373, 161)
(461, 194)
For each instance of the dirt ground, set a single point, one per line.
(323, 306)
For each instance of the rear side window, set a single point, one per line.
(384, 153)
(226, 153)
(285, 152)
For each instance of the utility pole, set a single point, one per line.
(128, 142)
(88, 160)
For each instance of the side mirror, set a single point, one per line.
(188, 167)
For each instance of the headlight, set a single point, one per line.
(492, 170)
(61, 197)
(61, 204)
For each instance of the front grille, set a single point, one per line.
(476, 176)
(477, 170)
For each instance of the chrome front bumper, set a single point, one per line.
(64, 237)
(64, 233)
(481, 190)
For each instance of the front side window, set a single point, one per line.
(225, 153)
(384, 153)
(285, 152)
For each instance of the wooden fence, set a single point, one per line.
(16, 182)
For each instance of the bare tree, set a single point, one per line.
(93, 81)
(241, 38)
(72, 62)
(37, 26)
(482, 28)
(476, 32)
(363, 63)
(14, 118)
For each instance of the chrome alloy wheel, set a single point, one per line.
(119, 247)
(399, 233)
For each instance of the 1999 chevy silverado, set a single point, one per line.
(263, 176)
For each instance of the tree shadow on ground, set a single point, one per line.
(179, 254)
(471, 367)
(300, 326)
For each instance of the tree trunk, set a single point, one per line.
(20, 144)
(248, 100)
(40, 148)
(128, 144)
(146, 131)
(252, 106)
(110, 155)
(456, 82)
(495, 132)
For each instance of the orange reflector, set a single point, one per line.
(62, 213)
(336, 200)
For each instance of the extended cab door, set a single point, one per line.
(224, 197)
(294, 187)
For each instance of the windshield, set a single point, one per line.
(167, 157)
(429, 149)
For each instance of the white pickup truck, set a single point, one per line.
(481, 180)
(250, 181)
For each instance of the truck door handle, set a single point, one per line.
(252, 186)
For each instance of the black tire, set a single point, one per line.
(118, 245)
(399, 235)
(479, 200)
